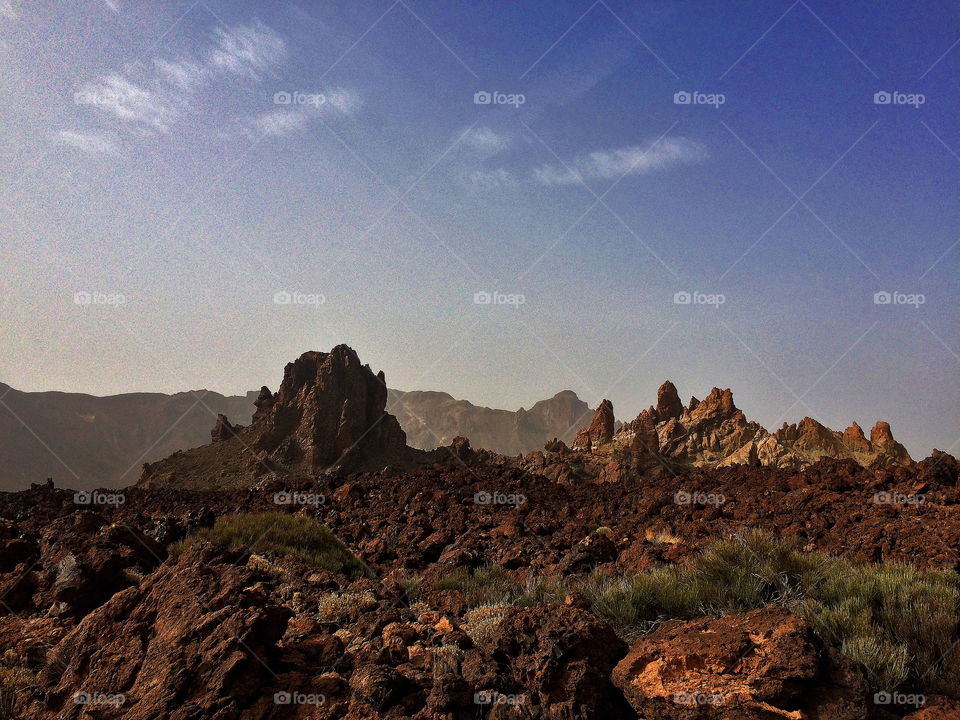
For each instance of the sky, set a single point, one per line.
(497, 200)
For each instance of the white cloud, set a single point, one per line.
(247, 49)
(154, 101)
(287, 120)
(279, 123)
(343, 101)
(616, 163)
(127, 101)
(91, 143)
(485, 141)
(184, 74)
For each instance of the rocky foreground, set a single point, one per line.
(95, 606)
(312, 565)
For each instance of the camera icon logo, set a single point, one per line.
(682, 298)
(82, 298)
(482, 498)
(882, 298)
(282, 498)
(882, 97)
(84, 497)
(484, 697)
(482, 97)
(282, 98)
(482, 298)
(282, 298)
(282, 698)
(682, 97)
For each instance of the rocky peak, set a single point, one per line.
(715, 407)
(222, 430)
(668, 402)
(854, 439)
(329, 406)
(263, 403)
(601, 428)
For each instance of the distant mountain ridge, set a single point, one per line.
(86, 441)
(432, 419)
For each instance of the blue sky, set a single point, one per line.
(150, 165)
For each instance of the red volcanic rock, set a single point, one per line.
(558, 658)
(190, 641)
(222, 430)
(937, 707)
(854, 439)
(601, 427)
(758, 665)
(668, 402)
(645, 446)
(329, 410)
(327, 415)
(263, 403)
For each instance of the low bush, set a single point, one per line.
(282, 534)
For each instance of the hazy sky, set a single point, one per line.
(168, 168)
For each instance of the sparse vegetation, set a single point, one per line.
(901, 623)
(344, 607)
(482, 622)
(282, 534)
(487, 585)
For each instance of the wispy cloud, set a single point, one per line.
(151, 102)
(90, 143)
(285, 120)
(6, 9)
(184, 74)
(485, 141)
(247, 49)
(127, 102)
(618, 162)
(113, 5)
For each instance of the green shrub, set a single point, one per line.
(282, 534)
(901, 623)
(488, 585)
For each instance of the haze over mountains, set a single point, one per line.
(85, 441)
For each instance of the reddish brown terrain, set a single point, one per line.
(471, 593)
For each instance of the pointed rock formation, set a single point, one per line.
(713, 432)
(668, 402)
(328, 414)
(223, 430)
(601, 429)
